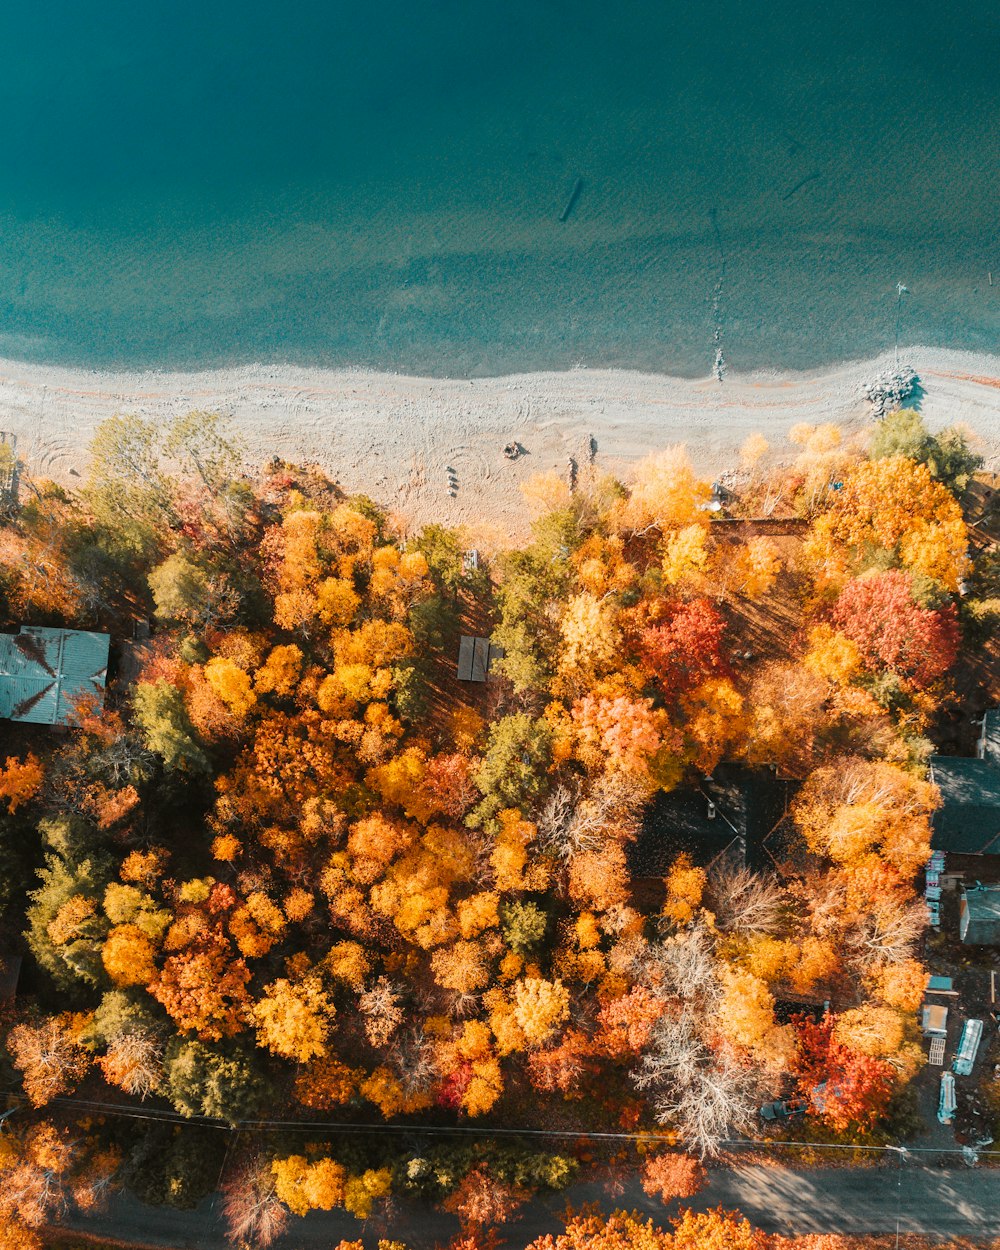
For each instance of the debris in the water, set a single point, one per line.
(574, 195)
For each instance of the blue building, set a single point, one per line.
(45, 673)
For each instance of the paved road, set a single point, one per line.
(943, 1203)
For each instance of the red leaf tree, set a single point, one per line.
(879, 613)
(683, 647)
(855, 1088)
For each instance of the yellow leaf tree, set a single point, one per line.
(293, 1020)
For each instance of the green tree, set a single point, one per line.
(70, 836)
(223, 1082)
(528, 632)
(444, 552)
(65, 924)
(948, 455)
(127, 491)
(901, 433)
(952, 461)
(174, 1165)
(166, 727)
(180, 588)
(524, 925)
(513, 771)
(119, 1013)
(199, 443)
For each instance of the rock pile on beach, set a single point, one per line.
(889, 389)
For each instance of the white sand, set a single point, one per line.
(394, 437)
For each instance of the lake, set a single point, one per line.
(346, 183)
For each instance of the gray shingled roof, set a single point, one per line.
(45, 672)
(749, 803)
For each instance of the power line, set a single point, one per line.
(485, 1131)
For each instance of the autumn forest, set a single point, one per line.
(291, 874)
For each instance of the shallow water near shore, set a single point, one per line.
(340, 183)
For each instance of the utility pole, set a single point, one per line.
(901, 1154)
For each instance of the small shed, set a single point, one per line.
(45, 672)
(475, 656)
(935, 1020)
(979, 915)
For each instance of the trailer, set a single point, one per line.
(947, 1103)
(968, 1048)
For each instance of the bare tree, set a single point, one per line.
(683, 966)
(571, 822)
(620, 799)
(556, 820)
(719, 1101)
(254, 1213)
(888, 933)
(123, 761)
(703, 1093)
(382, 1012)
(134, 1062)
(822, 897)
(675, 1054)
(745, 902)
(50, 1059)
(414, 1061)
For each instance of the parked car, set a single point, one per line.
(783, 1109)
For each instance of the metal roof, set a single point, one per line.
(475, 656)
(979, 915)
(45, 672)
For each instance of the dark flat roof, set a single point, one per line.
(968, 820)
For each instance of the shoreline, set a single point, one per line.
(394, 436)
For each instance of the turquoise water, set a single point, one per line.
(381, 184)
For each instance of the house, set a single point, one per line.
(979, 915)
(45, 673)
(731, 814)
(968, 821)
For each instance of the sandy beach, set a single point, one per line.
(395, 437)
